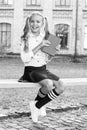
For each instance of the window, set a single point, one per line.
(61, 30)
(5, 35)
(62, 2)
(33, 2)
(6, 2)
(85, 37)
(85, 2)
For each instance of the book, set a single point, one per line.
(51, 49)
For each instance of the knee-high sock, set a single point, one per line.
(40, 95)
(50, 96)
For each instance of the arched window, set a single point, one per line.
(86, 3)
(5, 35)
(85, 37)
(61, 30)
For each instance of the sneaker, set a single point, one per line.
(43, 111)
(34, 111)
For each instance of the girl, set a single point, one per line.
(34, 38)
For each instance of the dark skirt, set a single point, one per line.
(37, 74)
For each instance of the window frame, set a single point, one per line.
(61, 3)
(33, 3)
(4, 34)
(85, 3)
(7, 3)
(62, 34)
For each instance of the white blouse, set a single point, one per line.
(29, 59)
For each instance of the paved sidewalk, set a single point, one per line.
(67, 112)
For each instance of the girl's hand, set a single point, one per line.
(50, 57)
(46, 43)
(26, 48)
(58, 47)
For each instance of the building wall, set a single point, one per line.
(18, 12)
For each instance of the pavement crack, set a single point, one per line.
(16, 115)
(68, 109)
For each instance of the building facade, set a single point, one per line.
(66, 19)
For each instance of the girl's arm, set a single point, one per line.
(27, 55)
(37, 48)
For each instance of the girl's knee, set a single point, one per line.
(48, 84)
(59, 86)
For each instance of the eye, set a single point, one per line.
(38, 21)
(32, 21)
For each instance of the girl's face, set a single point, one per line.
(36, 22)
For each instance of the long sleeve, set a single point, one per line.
(34, 56)
(26, 56)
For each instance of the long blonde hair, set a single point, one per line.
(26, 29)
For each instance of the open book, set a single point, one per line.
(51, 49)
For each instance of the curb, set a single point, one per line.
(13, 83)
(74, 81)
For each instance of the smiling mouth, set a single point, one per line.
(34, 27)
